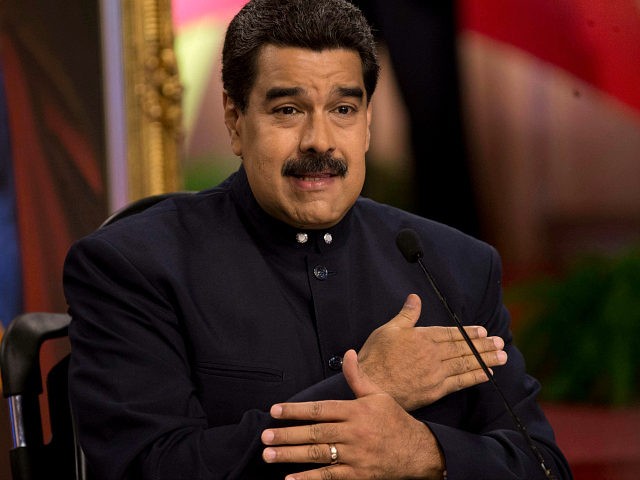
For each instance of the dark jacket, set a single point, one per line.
(191, 319)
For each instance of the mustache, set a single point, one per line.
(312, 162)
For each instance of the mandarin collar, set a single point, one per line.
(273, 232)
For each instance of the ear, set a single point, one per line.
(233, 122)
(369, 115)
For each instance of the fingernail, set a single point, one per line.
(498, 342)
(269, 454)
(276, 411)
(502, 356)
(268, 436)
(482, 332)
(411, 302)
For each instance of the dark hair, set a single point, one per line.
(312, 24)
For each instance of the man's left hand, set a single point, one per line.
(371, 436)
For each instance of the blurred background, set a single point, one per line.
(516, 121)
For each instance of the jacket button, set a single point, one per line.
(321, 273)
(335, 363)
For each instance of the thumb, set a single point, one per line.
(409, 314)
(359, 382)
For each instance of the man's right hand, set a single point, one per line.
(419, 365)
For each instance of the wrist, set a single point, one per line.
(431, 461)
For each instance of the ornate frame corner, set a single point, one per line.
(153, 96)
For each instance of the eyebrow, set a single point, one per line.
(355, 92)
(280, 92)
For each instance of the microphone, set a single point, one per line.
(410, 246)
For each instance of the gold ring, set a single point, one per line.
(333, 453)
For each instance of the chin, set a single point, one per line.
(316, 222)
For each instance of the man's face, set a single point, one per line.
(304, 134)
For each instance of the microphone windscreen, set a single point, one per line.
(409, 245)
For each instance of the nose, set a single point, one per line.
(317, 135)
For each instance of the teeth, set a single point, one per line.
(313, 179)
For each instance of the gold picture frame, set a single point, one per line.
(153, 95)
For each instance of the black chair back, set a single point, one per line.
(31, 458)
(62, 457)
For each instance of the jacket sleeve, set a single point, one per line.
(490, 446)
(131, 388)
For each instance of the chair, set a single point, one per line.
(32, 458)
(142, 204)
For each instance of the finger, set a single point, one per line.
(320, 411)
(303, 434)
(452, 334)
(330, 471)
(465, 380)
(359, 382)
(482, 345)
(468, 363)
(315, 453)
(410, 313)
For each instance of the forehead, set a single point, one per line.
(306, 68)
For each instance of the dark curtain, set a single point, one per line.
(421, 39)
(51, 59)
(10, 278)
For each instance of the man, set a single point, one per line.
(209, 333)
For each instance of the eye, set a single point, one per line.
(345, 110)
(287, 110)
